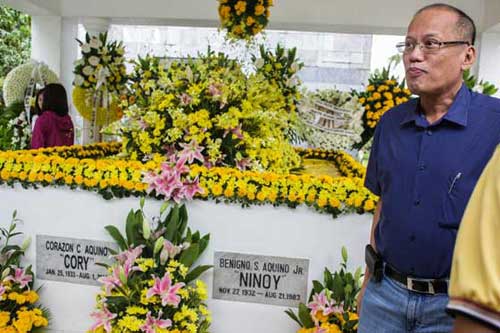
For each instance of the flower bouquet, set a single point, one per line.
(244, 19)
(19, 311)
(153, 286)
(332, 305)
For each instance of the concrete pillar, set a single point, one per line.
(489, 53)
(46, 41)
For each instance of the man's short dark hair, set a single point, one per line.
(465, 24)
(55, 99)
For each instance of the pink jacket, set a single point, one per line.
(52, 130)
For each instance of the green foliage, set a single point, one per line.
(15, 39)
(484, 87)
(171, 227)
(7, 131)
(340, 289)
(10, 255)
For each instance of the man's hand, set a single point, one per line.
(361, 294)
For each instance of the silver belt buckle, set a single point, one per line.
(430, 287)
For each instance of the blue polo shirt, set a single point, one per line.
(425, 175)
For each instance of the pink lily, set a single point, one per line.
(243, 164)
(152, 323)
(214, 89)
(20, 277)
(103, 318)
(236, 131)
(191, 188)
(169, 251)
(111, 281)
(320, 303)
(186, 99)
(165, 290)
(192, 151)
(130, 254)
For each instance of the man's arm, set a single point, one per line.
(466, 325)
(376, 218)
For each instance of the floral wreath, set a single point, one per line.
(244, 19)
(99, 72)
(18, 80)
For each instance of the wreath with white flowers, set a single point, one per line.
(18, 80)
(244, 19)
(100, 78)
(102, 64)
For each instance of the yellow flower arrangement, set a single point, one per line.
(243, 19)
(92, 168)
(382, 94)
(82, 99)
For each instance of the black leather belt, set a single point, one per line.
(417, 285)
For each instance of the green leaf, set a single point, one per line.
(189, 256)
(305, 316)
(203, 243)
(141, 202)
(117, 236)
(344, 254)
(195, 273)
(171, 223)
(294, 317)
(317, 286)
(163, 207)
(131, 228)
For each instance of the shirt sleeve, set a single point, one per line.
(37, 138)
(372, 181)
(475, 275)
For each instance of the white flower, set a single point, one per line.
(94, 61)
(120, 51)
(95, 43)
(259, 63)
(294, 67)
(79, 62)
(79, 80)
(87, 70)
(18, 79)
(292, 82)
(85, 48)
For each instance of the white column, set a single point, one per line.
(46, 41)
(489, 53)
(94, 26)
(69, 54)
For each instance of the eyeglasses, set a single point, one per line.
(428, 46)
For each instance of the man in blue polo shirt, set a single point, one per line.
(426, 158)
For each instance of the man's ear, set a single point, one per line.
(470, 58)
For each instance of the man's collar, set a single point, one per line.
(457, 113)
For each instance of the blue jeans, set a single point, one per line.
(388, 307)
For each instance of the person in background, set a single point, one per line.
(53, 126)
(37, 110)
(426, 158)
(475, 272)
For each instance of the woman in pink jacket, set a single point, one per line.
(53, 126)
